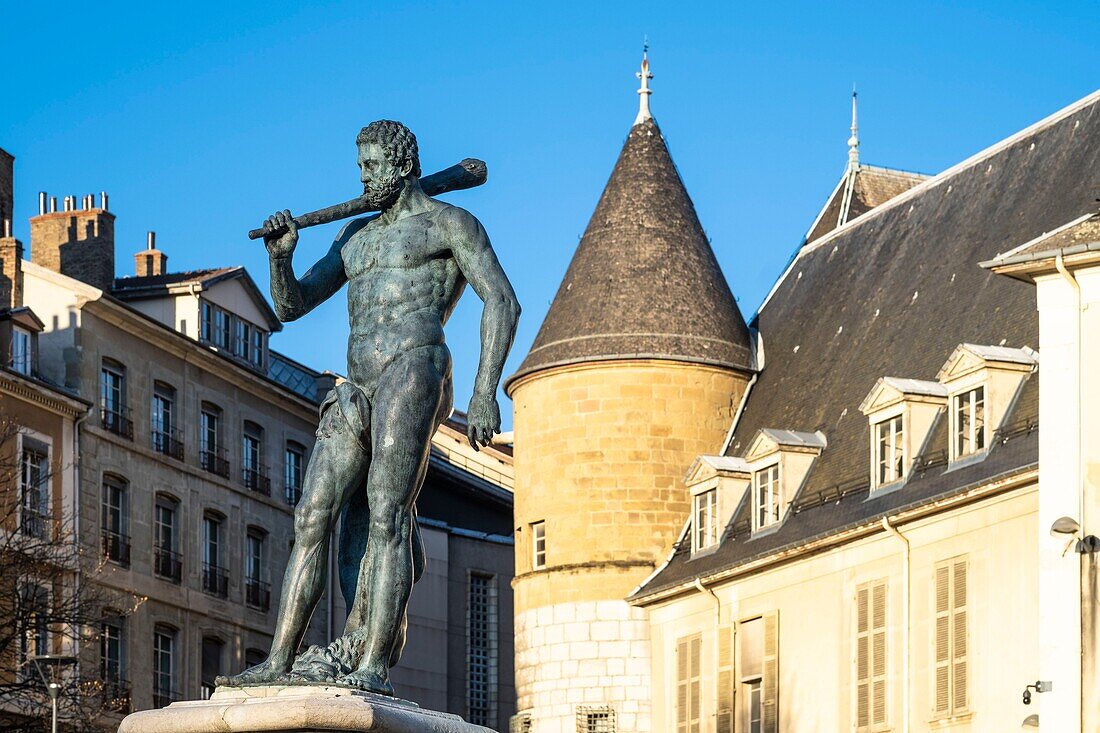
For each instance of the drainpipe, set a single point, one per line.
(717, 621)
(1084, 672)
(905, 644)
(76, 513)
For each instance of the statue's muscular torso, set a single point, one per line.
(403, 283)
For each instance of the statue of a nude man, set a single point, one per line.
(405, 269)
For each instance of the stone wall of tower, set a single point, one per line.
(600, 454)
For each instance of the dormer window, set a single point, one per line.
(233, 334)
(765, 497)
(983, 383)
(890, 450)
(705, 522)
(968, 411)
(901, 414)
(21, 350)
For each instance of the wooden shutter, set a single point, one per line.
(695, 693)
(958, 635)
(682, 686)
(951, 679)
(725, 679)
(771, 673)
(878, 653)
(863, 658)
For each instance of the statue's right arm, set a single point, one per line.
(293, 297)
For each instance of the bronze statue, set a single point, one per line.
(406, 269)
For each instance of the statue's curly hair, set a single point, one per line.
(396, 139)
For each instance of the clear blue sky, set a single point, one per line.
(200, 119)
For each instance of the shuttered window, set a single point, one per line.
(724, 702)
(688, 683)
(950, 642)
(871, 656)
(759, 660)
(771, 673)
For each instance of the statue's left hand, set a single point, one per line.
(483, 420)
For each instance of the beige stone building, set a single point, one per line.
(878, 537)
(871, 547)
(191, 462)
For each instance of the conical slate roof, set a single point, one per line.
(644, 282)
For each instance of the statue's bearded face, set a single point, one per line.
(381, 178)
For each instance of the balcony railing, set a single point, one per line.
(117, 421)
(116, 694)
(257, 594)
(34, 523)
(163, 697)
(168, 443)
(255, 479)
(213, 460)
(292, 494)
(215, 580)
(116, 547)
(167, 564)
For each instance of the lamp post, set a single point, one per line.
(53, 662)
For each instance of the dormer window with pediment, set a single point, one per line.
(901, 414)
(982, 383)
(717, 485)
(779, 461)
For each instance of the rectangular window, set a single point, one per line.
(969, 415)
(166, 557)
(34, 487)
(110, 653)
(481, 649)
(242, 338)
(950, 642)
(758, 643)
(765, 497)
(112, 399)
(256, 353)
(538, 545)
(257, 592)
(115, 521)
(164, 667)
(889, 451)
(215, 578)
(871, 656)
(595, 719)
(705, 520)
(34, 607)
(292, 473)
(688, 683)
(211, 665)
(21, 350)
(163, 419)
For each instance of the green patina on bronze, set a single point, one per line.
(405, 268)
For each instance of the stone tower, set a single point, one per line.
(637, 369)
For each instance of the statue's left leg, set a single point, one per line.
(406, 411)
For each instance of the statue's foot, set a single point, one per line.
(369, 681)
(262, 674)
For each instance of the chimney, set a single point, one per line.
(76, 243)
(150, 261)
(11, 249)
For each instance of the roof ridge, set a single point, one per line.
(933, 182)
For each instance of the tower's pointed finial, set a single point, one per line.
(853, 141)
(644, 91)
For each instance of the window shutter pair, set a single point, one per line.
(771, 673)
(950, 637)
(725, 679)
(871, 655)
(688, 680)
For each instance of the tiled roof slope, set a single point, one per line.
(892, 295)
(859, 191)
(644, 281)
(125, 286)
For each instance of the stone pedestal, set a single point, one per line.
(295, 710)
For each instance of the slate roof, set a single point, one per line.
(644, 281)
(894, 293)
(150, 285)
(861, 189)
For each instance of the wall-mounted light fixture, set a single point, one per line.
(1068, 527)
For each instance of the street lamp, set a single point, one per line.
(54, 663)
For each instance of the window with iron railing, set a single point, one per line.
(292, 472)
(34, 487)
(114, 415)
(257, 593)
(211, 453)
(165, 688)
(115, 520)
(112, 670)
(165, 436)
(167, 561)
(215, 578)
(253, 472)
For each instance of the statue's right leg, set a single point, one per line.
(337, 467)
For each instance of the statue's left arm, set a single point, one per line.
(478, 263)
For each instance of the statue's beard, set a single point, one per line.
(381, 194)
